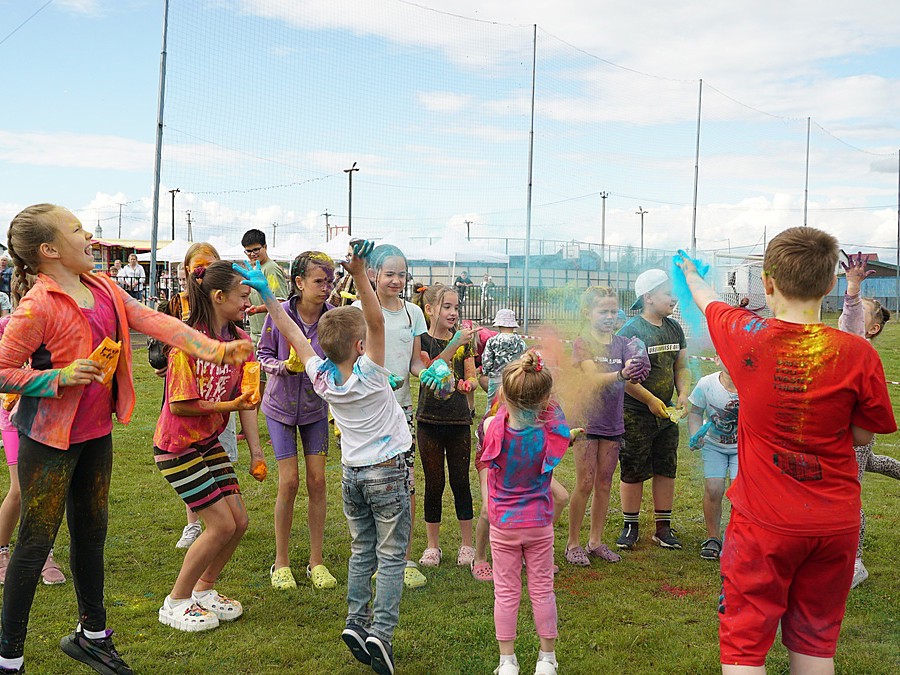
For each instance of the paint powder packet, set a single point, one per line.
(259, 470)
(676, 414)
(106, 356)
(250, 380)
(8, 401)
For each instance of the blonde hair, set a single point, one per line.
(527, 383)
(339, 330)
(801, 262)
(595, 293)
(882, 315)
(35, 225)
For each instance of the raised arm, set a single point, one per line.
(255, 279)
(702, 292)
(853, 317)
(356, 266)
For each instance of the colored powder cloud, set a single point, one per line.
(690, 313)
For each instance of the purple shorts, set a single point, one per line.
(313, 436)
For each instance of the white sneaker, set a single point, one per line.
(545, 667)
(860, 573)
(189, 535)
(225, 608)
(187, 615)
(507, 668)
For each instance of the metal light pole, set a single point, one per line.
(274, 229)
(603, 196)
(641, 212)
(173, 193)
(468, 230)
(120, 219)
(190, 226)
(327, 225)
(349, 173)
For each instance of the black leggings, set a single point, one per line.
(434, 440)
(53, 481)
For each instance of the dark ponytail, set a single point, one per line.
(219, 276)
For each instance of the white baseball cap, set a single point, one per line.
(645, 283)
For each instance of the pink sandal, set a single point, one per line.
(482, 571)
(603, 552)
(576, 556)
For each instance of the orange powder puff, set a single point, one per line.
(250, 381)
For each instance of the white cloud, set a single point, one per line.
(80, 6)
(83, 151)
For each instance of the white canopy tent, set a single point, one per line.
(454, 248)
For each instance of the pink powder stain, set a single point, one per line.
(678, 592)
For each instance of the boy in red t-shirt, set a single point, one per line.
(808, 393)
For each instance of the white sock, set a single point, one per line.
(91, 634)
(201, 595)
(12, 664)
(173, 603)
(547, 656)
(509, 658)
(410, 563)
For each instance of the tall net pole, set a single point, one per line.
(696, 181)
(530, 167)
(154, 227)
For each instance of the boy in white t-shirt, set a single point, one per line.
(374, 437)
(716, 396)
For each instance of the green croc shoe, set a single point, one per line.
(320, 577)
(282, 578)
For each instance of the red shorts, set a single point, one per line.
(803, 582)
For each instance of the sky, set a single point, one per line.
(268, 101)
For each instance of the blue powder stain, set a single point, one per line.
(690, 313)
(755, 325)
(332, 371)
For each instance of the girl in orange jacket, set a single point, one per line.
(65, 318)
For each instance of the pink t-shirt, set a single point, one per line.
(93, 419)
(520, 467)
(189, 379)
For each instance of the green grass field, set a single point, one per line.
(655, 612)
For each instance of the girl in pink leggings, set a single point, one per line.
(523, 442)
(9, 510)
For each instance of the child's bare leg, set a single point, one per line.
(560, 499)
(191, 516)
(207, 580)
(663, 493)
(433, 534)
(548, 644)
(607, 458)
(412, 524)
(288, 484)
(220, 527)
(631, 495)
(801, 664)
(712, 506)
(9, 510)
(743, 670)
(315, 488)
(482, 527)
(465, 532)
(585, 452)
(507, 647)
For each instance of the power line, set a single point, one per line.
(16, 29)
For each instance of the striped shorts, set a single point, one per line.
(201, 475)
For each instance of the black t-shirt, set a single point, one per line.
(455, 410)
(462, 286)
(663, 345)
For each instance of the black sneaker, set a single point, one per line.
(629, 536)
(382, 655)
(355, 638)
(665, 537)
(100, 654)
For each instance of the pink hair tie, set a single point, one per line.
(198, 272)
(539, 366)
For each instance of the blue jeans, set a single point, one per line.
(376, 504)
